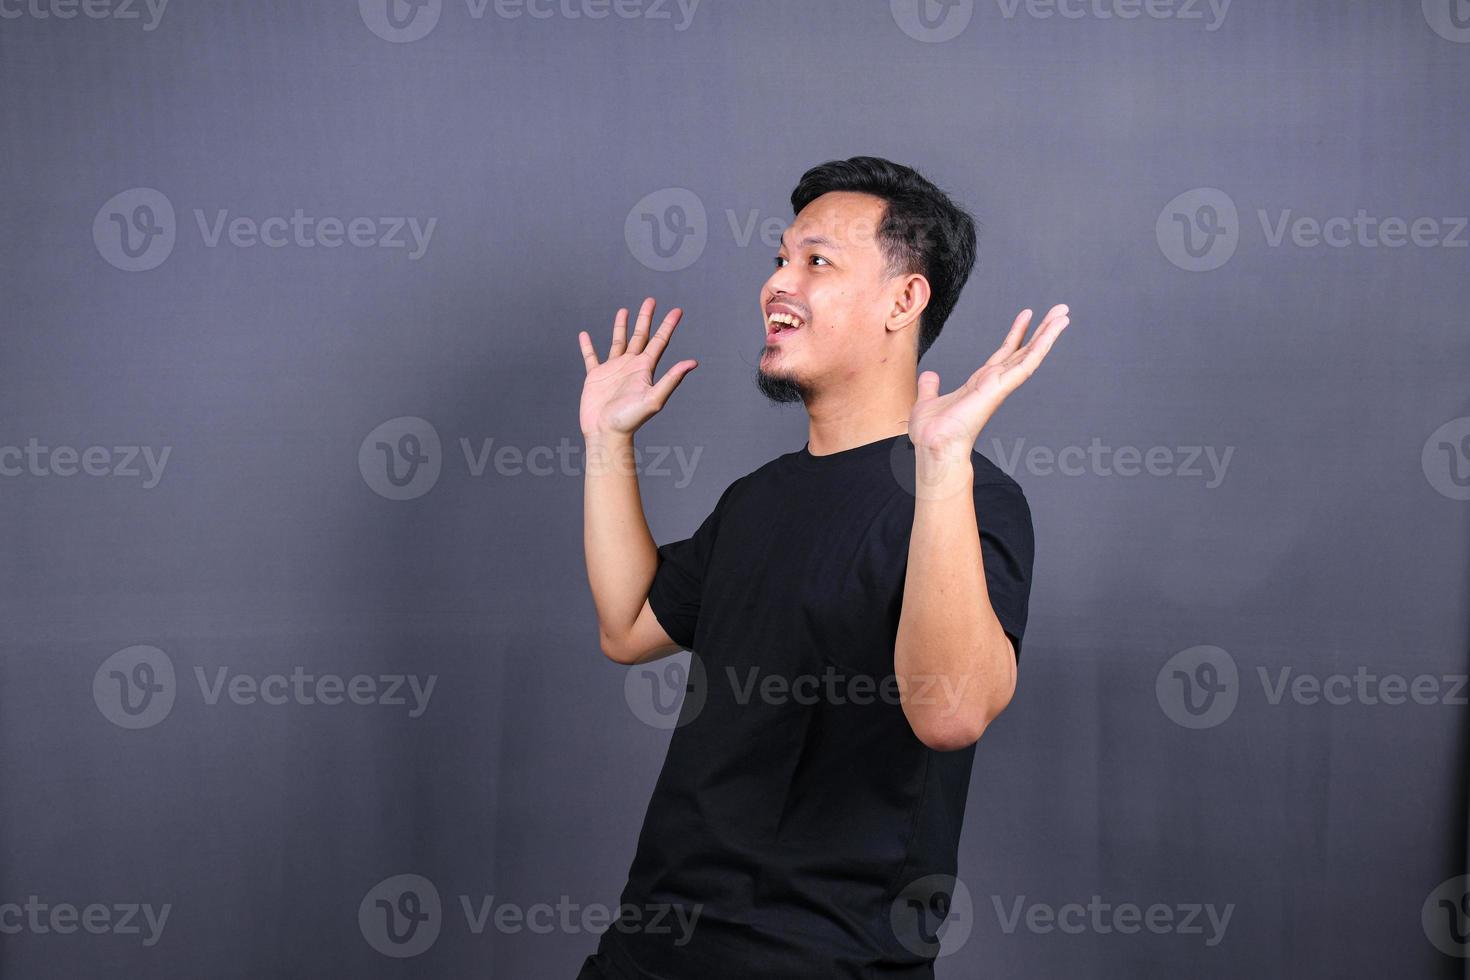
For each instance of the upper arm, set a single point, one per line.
(669, 618)
(1008, 551)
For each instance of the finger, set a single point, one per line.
(928, 385)
(589, 354)
(640, 328)
(670, 381)
(660, 340)
(620, 333)
(1013, 338)
(1029, 358)
(1060, 311)
(1056, 321)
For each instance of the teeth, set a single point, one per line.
(785, 319)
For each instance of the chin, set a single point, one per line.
(780, 388)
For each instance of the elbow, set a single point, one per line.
(961, 716)
(948, 735)
(950, 732)
(614, 651)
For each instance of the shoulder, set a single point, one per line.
(992, 477)
(771, 469)
(745, 483)
(999, 498)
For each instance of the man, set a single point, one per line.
(854, 609)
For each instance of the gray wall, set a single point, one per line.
(1249, 455)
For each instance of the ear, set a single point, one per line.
(910, 297)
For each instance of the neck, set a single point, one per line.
(853, 416)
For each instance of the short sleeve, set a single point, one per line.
(678, 582)
(1008, 550)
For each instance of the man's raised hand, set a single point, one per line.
(948, 425)
(618, 395)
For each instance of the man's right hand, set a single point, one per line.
(618, 395)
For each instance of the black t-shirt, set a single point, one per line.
(795, 803)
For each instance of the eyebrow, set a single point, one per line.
(814, 240)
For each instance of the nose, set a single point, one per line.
(782, 280)
(776, 289)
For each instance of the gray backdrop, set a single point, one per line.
(288, 434)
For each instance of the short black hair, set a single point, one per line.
(922, 230)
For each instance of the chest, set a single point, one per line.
(809, 581)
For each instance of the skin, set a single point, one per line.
(853, 365)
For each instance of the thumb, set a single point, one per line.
(670, 381)
(929, 384)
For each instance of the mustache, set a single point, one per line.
(801, 310)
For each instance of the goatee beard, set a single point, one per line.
(781, 390)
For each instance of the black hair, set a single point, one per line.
(922, 230)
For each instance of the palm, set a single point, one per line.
(950, 424)
(619, 395)
(615, 394)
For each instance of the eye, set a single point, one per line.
(780, 259)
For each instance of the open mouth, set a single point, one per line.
(782, 323)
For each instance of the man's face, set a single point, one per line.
(830, 274)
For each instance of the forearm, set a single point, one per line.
(620, 552)
(955, 665)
